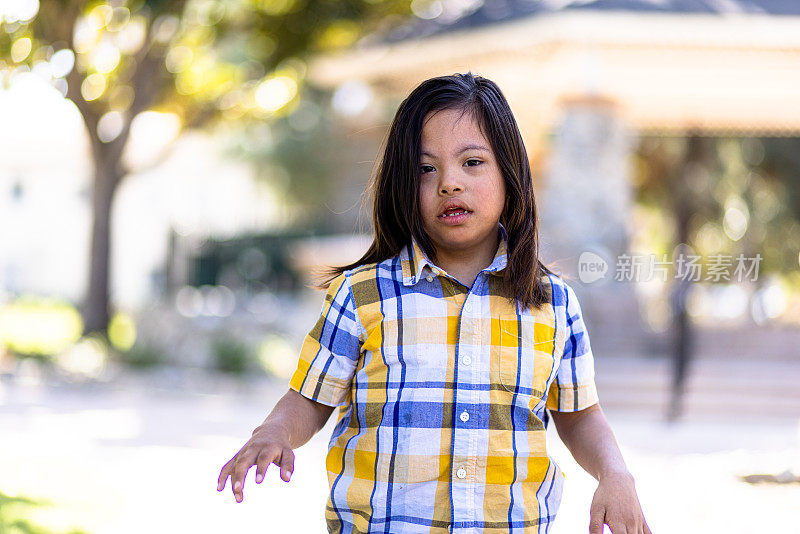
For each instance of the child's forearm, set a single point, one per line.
(296, 419)
(591, 441)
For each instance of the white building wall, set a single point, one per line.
(45, 230)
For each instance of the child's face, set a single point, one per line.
(471, 176)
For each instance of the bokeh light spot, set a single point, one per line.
(18, 10)
(178, 58)
(277, 356)
(274, 93)
(20, 49)
(39, 326)
(93, 87)
(105, 57)
(351, 98)
(120, 16)
(62, 63)
(122, 331)
(427, 9)
(110, 126)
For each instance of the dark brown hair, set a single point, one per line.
(395, 186)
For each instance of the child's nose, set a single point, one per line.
(450, 182)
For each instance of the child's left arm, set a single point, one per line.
(589, 438)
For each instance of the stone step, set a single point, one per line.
(713, 388)
(742, 343)
(712, 405)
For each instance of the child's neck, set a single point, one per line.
(465, 264)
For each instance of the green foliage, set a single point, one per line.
(36, 356)
(204, 62)
(142, 356)
(14, 512)
(757, 177)
(301, 164)
(198, 59)
(39, 327)
(231, 355)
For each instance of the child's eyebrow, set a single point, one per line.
(462, 149)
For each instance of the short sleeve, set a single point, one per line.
(574, 387)
(330, 351)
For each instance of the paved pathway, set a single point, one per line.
(143, 455)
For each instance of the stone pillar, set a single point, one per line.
(585, 198)
(584, 202)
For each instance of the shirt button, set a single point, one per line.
(429, 278)
(464, 416)
(466, 360)
(461, 473)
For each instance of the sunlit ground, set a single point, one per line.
(144, 456)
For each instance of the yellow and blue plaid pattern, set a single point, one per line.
(442, 393)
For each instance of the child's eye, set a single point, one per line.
(477, 161)
(422, 169)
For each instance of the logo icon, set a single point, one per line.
(591, 267)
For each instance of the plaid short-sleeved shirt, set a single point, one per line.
(442, 394)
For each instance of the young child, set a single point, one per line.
(445, 346)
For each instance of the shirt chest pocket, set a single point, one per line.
(524, 358)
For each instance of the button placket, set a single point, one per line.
(465, 444)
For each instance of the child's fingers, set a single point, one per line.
(238, 478)
(287, 464)
(223, 478)
(228, 469)
(596, 519)
(265, 457)
(238, 490)
(224, 473)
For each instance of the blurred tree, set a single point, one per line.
(204, 61)
(308, 160)
(726, 196)
(754, 178)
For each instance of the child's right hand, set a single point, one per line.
(265, 447)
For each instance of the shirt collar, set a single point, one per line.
(414, 261)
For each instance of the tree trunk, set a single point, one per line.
(97, 307)
(148, 78)
(685, 204)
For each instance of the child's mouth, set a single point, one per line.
(454, 216)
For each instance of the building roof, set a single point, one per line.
(667, 65)
(459, 15)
